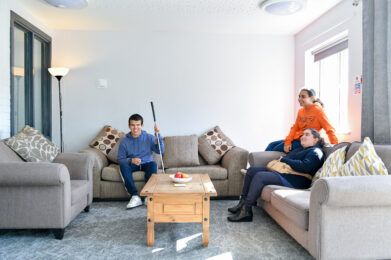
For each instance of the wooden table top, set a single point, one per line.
(162, 184)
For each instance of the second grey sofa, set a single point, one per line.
(338, 218)
(225, 175)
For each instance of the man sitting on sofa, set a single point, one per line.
(135, 154)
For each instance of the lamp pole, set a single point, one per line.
(59, 73)
(59, 77)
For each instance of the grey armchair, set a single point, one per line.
(43, 195)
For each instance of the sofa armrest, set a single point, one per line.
(234, 160)
(262, 158)
(350, 209)
(15, 174)
(100, 161)
(79, 165)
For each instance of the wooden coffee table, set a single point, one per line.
(170, 204)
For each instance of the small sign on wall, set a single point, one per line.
(357, 86)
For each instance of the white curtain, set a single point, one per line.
(376, 90)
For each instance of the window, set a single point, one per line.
(30, 80)
(327, 71)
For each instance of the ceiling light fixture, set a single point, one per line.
(68, 4)
(283, 7)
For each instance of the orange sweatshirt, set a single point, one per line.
(313, 117)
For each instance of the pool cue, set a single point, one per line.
(157, 136)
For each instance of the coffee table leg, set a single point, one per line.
(150, 223)
(205, 221)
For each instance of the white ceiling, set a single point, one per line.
(214, 16)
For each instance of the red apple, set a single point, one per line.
(178, 175)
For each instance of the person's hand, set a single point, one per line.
(136, 161)
(157, 130)
(287, 148)
(280, 158)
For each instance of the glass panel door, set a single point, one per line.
(30, 80)
(19, 90)
(37, 79)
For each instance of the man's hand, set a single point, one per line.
(157, 130)
(287, 148)
(136, 161)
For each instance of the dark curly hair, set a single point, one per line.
(316, 134)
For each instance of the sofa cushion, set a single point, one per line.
(7, 154)
(180, 151)
(267, 191)
(32, 146)
(79, 190)
(330, 149)
(294, 204)
(112, 173)
(214, 144)
(215, 172)
(106, 139)
(353, 148)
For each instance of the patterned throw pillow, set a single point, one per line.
(113, 154)
(332, 166)
(364, 162)
(32, 146)
(106, 139)
(213, 145)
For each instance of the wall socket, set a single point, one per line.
(102, 83)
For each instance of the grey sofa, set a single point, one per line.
(225, 175)
(43, 195)
(338, 218)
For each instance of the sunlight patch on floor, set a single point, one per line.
(182, 243)
(157, 250)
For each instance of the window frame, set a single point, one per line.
(330, 46)
(32, 32)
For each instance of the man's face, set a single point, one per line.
(135, 127)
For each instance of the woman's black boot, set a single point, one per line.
(245, 215)
(237, 208)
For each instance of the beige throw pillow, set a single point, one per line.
(32, 146)
(214, 144)
(107, 139)
(180, 151)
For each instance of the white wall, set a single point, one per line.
(341, 18)
(244, 83)
(5, 7)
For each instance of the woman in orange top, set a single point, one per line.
(310, 115)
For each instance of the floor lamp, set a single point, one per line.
(59, 73)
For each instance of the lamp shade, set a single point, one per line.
(58, 71)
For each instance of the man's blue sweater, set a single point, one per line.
(139, 147)
(303, 160)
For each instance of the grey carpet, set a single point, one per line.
(109, 231)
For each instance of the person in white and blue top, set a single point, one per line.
(135, 154)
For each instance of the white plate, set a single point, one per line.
(180, 180)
